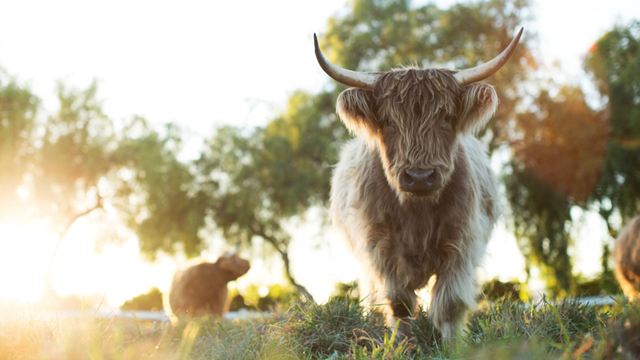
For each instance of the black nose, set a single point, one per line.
(418, 180)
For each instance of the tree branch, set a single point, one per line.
(61, 236)
(259, 231)
(77, 216)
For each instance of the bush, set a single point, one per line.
(495, 289)
(601, 285)
(237, 302)
(347, 290)
(277, 297)
(150, 301)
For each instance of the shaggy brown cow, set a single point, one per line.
(413, 193)
(202, 289)
(626, 254)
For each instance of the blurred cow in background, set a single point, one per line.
(414, 193)
(202, 289)
(626, 254)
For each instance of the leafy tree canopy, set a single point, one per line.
(18, 112)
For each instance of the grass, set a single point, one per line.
(340, 329)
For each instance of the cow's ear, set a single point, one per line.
(356, 110)
(479, 103)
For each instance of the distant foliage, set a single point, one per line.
(495, 289)
(278, 298)
(259, 180)
(614, 64)
(160, 201)
(600, 285)
(18, 111)
(567, 154)
(150, 301)
(236, 302)
(348, 290)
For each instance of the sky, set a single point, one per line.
(205, 63)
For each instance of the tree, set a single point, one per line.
(261, 179)
(81, 163)
(18, 112)
(569, 155)
(149, 301)
(614, 64)
(157, 193)
(73, 157)
(557, 160)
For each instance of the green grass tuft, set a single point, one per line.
(322, 330)
(556, 323)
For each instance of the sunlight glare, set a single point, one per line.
(23, 261)
(114, 273)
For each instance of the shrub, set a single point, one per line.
(150, 301)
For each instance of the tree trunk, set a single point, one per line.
(287, 268)
(284, 255)
(49, 292)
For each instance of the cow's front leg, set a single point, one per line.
(402, 302)
(453, 294)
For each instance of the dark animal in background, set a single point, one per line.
(626, 254)
(414, 193)
(202, 289)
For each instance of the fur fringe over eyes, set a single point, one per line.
(476, 105)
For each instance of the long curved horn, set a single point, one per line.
(347, 77)
(483, 71)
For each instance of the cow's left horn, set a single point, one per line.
(483, 71)
(347, 77)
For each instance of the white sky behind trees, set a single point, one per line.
(204, 63)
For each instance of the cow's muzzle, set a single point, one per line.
(421, 182)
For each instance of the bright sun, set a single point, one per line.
(114, 273)
(24, 257)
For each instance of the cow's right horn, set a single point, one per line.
(347, 77)
(483, 71)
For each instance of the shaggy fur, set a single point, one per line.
(425, 119)
(202, 289)
(626, 254)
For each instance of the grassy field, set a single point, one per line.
(340, 329)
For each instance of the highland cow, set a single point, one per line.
(626, 254)
(202, 289)
(413, 193)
